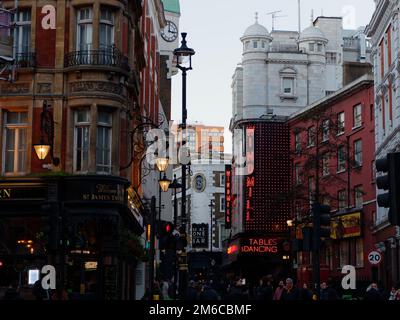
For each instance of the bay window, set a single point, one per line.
(84, 39)
(103, 142)
(81, 140)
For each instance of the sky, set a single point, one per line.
(214, 29)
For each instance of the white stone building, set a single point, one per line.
(384, 33)
(206, 183)
(282, 72)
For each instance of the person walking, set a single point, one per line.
(305, 293)
(291, 293)
(208, 293)
(278, 291)
(327, 293)
(265, 290)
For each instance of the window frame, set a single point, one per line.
(78, 125)
(80, 22)
(20, 25)
(17, 128)
(311, 137)
(357, 117)
(358, 153)
(326, 124)
(341, 124)
(341, 161)
(108, 127)
(326, 164)
(342, 201)
(358, 190)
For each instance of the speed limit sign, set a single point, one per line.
(374, 257)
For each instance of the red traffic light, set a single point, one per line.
(1, 264)
(169, 228)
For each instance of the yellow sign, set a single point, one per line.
(5, 193)
(346, 226)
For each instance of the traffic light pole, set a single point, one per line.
(152, 246)
(316, 248)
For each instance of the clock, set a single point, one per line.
(170, 32)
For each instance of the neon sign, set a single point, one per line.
(228, 197)
(260, 245)
(250, 179)
(233, 249)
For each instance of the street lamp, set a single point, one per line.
(162, 164)
(164, 183)
(43, 148)
(183, 56)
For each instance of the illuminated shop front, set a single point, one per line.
(87, 227)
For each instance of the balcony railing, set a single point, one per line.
(25, 60)
(104, 57)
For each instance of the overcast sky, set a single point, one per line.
(214, 28)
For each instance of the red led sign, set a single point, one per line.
(261, 245)
(228, 197)
(250, 179)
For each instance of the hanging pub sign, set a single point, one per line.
(199, 236)
(346, 226)
(228, 197)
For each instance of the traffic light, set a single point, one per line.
(390, 182)
(322, 223)
(166, 236)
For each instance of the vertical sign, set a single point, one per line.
(250, 178)
(200, 236)
(228, 197)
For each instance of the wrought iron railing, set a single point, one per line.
(104, 57)
(25, 60)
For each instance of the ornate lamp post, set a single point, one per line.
(184, 63)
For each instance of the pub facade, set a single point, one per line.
(69, 106)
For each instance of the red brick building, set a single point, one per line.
(333, 155)
(76, 88)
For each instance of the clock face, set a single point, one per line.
(170, 32)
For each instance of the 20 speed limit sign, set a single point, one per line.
(374, 257)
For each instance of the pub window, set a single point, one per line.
(103, 142)
(15, 143)
(311, 137)
(357, 116)
(81, 140)
(341, 158)
(325, 164)
(325, 130)
(358, 153)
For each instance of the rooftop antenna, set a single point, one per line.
(312, 16)
(299, 8)
(256, 16)
(274, 17)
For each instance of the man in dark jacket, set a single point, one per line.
(208, 293)
(373, 293)
(265, 291)
(291, 293)
(328, 293)
(192, 291)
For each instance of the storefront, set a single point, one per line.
(253, 257)
(87, 227)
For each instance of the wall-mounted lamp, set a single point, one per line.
(45, 147)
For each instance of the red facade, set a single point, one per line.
(333, 156)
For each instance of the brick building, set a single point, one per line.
(333, 158)
(76, 89)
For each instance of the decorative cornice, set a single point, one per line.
(287, 61)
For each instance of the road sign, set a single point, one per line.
(374, 258)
